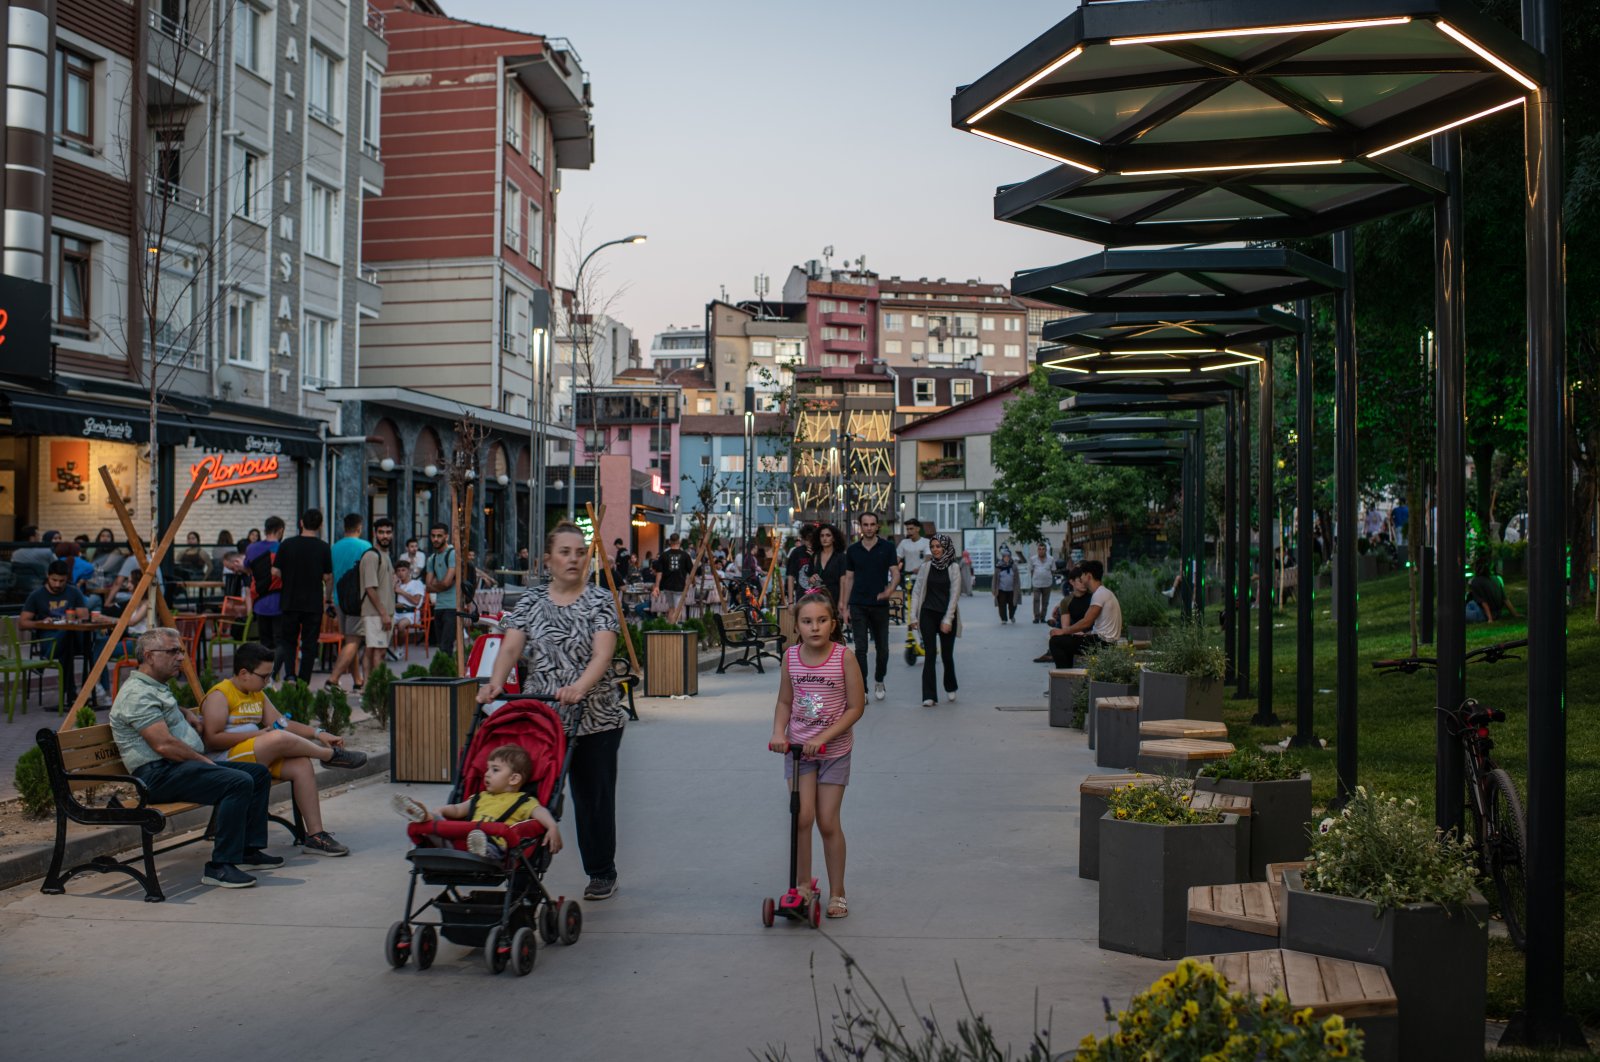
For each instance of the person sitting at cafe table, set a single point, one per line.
(82, 572)
(57, 601)
(138, 622)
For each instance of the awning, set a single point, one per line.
(38, 414)
(650, 516)
(248, 438)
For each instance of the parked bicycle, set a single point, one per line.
(1488, 654)
(1500, 830)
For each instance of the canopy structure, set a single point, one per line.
(1119, 425)
(1186, 282)
(1120, 442)
(1149, 385)
(1126, 403)
(1152, 344)
(1121, 459)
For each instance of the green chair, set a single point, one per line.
(219, 642)
(15, 662)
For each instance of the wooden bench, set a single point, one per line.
(1359, 992)
(1116, 731)
(78, 760)
(1092, 793)
(1202, 729)
(1241, 917)
(1183, 755)
(1275, 879)
(735, 630)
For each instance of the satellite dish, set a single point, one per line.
(231, 383)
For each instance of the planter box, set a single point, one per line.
(1117, 731)
(1282, 811)
(1437, 959)
(1145, 875)
(1064, 687)
(671, 663)
(1139, 634)
(1092, 793)
(428, 723)
(1098, 690)
(1164, 696)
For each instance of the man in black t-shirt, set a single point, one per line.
(305, 566)
(798, 558)
(871, 573)
(673, 569)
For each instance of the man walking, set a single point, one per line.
(673, 570)
(440, 579)
(1041, 572)
(871, 573)
(260, 560)
(912, 552)
(305, 564)
(347, 552)
(377, 592)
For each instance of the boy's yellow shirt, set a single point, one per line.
(491, 806)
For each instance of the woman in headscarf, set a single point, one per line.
(1005, 585)
(935, 598)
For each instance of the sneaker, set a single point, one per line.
(951, 696)
(345, 758)
(600, 889)
(878, 692)
(409, 807)
(927, 703)
(478, 843)
(323, 844)
(100, 698)
(226, 876)
(256, 859)
(1043, 658)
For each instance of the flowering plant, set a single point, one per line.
(1189, 1015)
(1168, 802)
(1383, 850)
(1249, 764)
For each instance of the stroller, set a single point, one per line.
(489, 902)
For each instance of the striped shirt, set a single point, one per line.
(817, 698)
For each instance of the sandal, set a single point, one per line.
(838, 907)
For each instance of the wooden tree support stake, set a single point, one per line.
(598, 547)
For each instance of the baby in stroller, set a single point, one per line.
(500, 805)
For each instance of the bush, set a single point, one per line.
(32, 783)
(375, 694)
(1250, 764)
(332, 708)
(294, 700)
(1144, 606)
(186, 697)
(1386, 851)
(85, 717)
(1166, 803)
(443, 665)
(1186, 648)
(1111, 663)
(416, 671)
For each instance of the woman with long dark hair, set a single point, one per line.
(826, 568)
(935, 607)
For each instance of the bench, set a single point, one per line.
(81, 759)
(1242, 917)
(1275, 879)
(1359, 992)
(1202, 729)
(1092, 793)
(735, 630)
(1116, 731)
(1181, 755)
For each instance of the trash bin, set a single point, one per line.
(428, 723)
(671, 663)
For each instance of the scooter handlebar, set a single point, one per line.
(795, 748)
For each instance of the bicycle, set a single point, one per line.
(1500, 834)
(1488, 654)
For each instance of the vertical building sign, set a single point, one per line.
(288, 156)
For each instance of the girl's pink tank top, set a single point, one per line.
(818, 698)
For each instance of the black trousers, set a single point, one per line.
(444, 629)
(937, 643)
(239, 791)
(297, 630)
(265, 630)
(1066, 648)
(1006, 602)
(593, 777)
(871, 620)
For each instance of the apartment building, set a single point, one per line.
(841, 312)
(843, 442)
(944, 324)
(753, 349)
(677, 348)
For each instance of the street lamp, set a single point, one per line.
(577, 306)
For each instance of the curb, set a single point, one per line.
(85, 843)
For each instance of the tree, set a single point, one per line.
(593, 299)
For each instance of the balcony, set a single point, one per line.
(943, 468)
(176, 213)
(853, 320)
(844, 346)
(375, 21)
(369, 288)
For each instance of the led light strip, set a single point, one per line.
(1237, 166)
(1504, 67)
(1054, 158)
(1447, 128)
(1246, 359)
(1007, 97)
(1258, 31)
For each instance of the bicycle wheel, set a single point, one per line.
(1506, 843)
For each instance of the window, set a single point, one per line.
(947, 510)
(513, 215)
(171, 300)
(705, 459)
(773, 499)
(1013, 324)
(1013, 350)
(74, 96)
(960, 390)
(514, 330)
(828, 306)
(246, 182)
(535, 234)
(917, 321)
(986, 324)
(731, 463)
(922, 392)
(918, 347)
(791, 351)
(516, 115)
(536, 139)
(322, 221)
(371, 110)
(320, 359)
(624, 434)
(73, 262)
(894, 322)
(987, 350)
(246, 332)
(322, 97)
(703, 406)
(594, 439)
(661, 440)
(248, 25)
(761, 348)
(891, 346)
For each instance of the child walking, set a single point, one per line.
(821, 696)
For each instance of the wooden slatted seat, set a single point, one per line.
(1232, 917)
(1181, 755)
(1203, 729)
(1119, 704)
(1232, 803)
(1359, 992)
(1275, 879)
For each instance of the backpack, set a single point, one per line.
(348, 589)
(469, 575)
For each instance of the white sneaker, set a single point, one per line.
(951, 696)
(100, 698)
(478, 843)
(409, 808)
(927, 704)
(878, 692)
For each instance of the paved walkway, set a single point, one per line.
(962, 823)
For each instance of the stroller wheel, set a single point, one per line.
(397, 945)
(523, 952)
(571, 918)
(768, 912)
(427, 946)
(496, 950)
(549, 924)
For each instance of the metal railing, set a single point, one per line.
(178, 31)
(369, 274)
(943, 468)
(173, 193)
(375, 20)
(371, 150)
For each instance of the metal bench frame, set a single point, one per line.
(754, 643)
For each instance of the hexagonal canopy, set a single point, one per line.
(1141, 86)
(1187, 282)
(1122, 458)
(1123, 403)
(1122, 443)
(1147, 386)
(1155, 344)
(1113, 425)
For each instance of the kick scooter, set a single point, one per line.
(794, 905)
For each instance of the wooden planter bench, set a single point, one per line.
(1183, 755)
(736, 631)
(1232, 918)
(83, 758)
(1201, 729)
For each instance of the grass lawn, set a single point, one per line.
(1396, 725)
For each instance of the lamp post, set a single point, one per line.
(577, 306)
(749, 466)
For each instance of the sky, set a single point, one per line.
(744, 138)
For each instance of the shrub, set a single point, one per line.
(186, 697)
(294, 700)
(332, 708)
(415, 671)
(1111, 663)
(32, 783)
(1250, 764)
(1166, 803)
(443, 665)
(1186, 648)
(1143, 606)
(1384, 850)
(85, 717)
(375, 694)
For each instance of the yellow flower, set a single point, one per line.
(1122, 813)
(1302, 1017)
(1334, 1023)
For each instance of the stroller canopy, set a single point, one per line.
(533, 726)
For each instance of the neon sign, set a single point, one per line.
(220, 473)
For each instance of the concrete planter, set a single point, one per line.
(1145, 875)
(1139, 634)
(1064, 687)
(1103, 689)
(1117, 733)
(1281, 811)
(1437, 959)
(1164, 696)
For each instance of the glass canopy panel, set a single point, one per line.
(1170, 284)
(1096, 114)
(1247, 281)
(1238, 112)
(1217, 203)
(1108, 207)
(1324, 197)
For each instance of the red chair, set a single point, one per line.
(331, 636)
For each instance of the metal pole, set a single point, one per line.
(1265, 490)
(1230, 533)
(1186, 523)
(1344, 503)
(1449, 313)
(541, 340)
(1200, 513)
(577, 311)
(1305, 581)
(1241, 574)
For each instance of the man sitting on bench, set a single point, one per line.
(161, 746)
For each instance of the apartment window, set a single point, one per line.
(987, 350)
(515, 324)
(319, 344)
(371, 110)
(1013, 324)
(705, 459)
(513, 215)
(246, 179)
(246, 332)
(248, 26)
(918, 347)
(74, 259)
(731, 463)
(828, 306)
(891, 346)
(947, 510)
(322, 97)
(894, 322)
(703, 406)
(516, 116)
(1013, 350)
(74, 96)
(922, 392)
(535, 234)
(791, 351)
(986, 324)
(536, 139)
(917, 321)
(660, 439)
(761, 348)
(322, 221)
(171, 297)
(594, 439)
(960, 390)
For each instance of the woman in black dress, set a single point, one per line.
(935, 598)
(826, 567)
